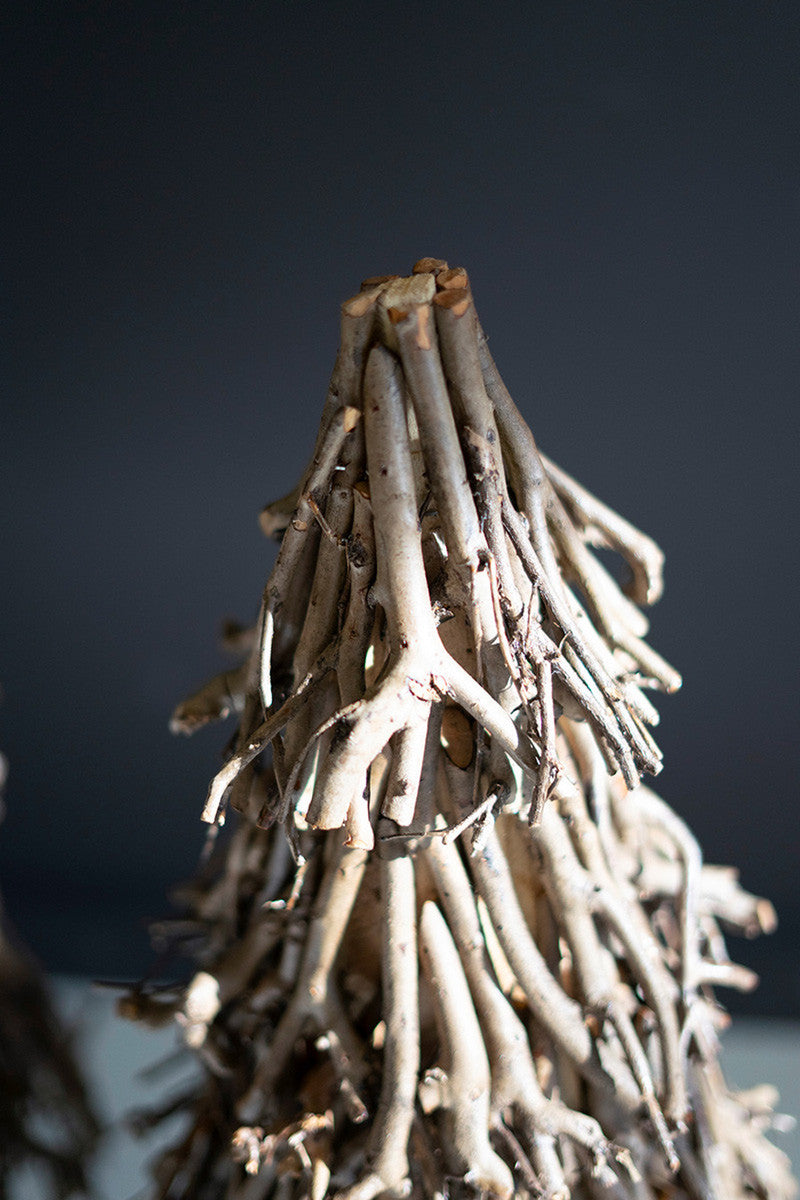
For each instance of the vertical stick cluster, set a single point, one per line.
(454, 947)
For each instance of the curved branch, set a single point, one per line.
(467, 1086)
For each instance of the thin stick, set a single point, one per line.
(315, 997)
(467, 1088)
(388, 1165)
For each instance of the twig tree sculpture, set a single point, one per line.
(47, 1128)
(454, 947)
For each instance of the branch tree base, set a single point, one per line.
(454, 946)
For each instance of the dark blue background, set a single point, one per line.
(189, 195)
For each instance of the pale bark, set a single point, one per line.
(485, 966)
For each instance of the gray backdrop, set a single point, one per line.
(192, 193)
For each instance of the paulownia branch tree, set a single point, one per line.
(453, 947)
(47, 1128)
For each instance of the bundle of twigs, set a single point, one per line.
(47, 1128)
(493, 975)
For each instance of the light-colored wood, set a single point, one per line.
(484, 963)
